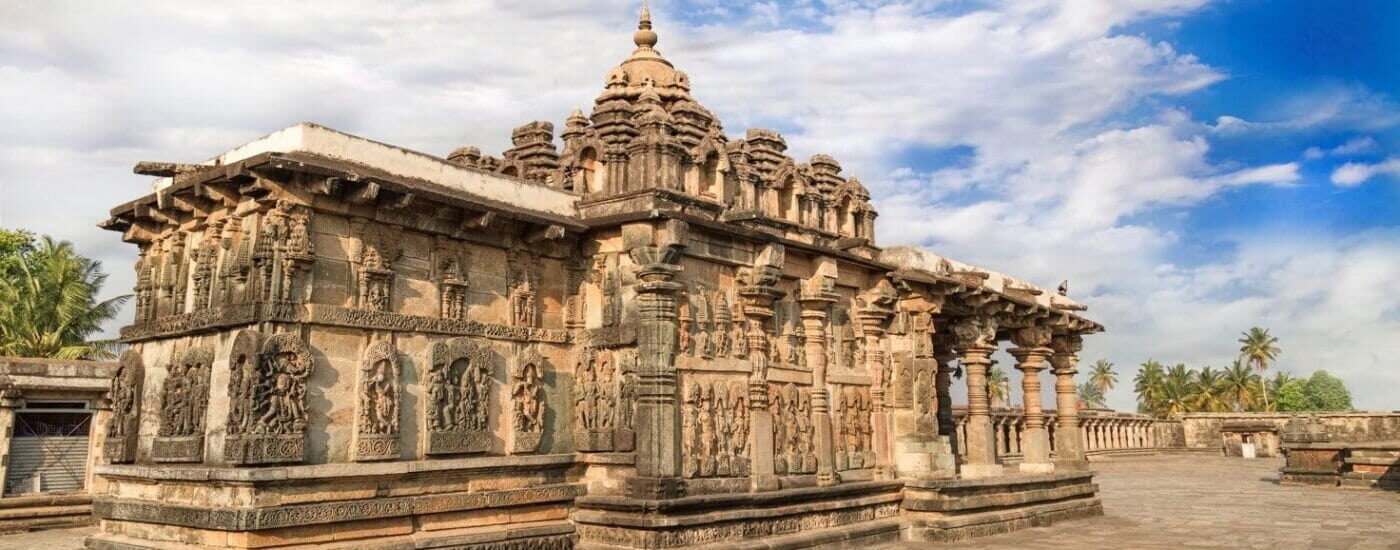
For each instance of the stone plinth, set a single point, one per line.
(950, 510)
(454, 503)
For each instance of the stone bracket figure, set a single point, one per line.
(267, 398)
(125, 395)
(378, 395)
(456, 419)
(184, 399)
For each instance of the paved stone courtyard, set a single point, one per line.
(1151, 503)
(1212, 502)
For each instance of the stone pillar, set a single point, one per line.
(1030, 352)
(943, 356)
(658, 412)
(758, 295)
(976, 340)
(10, 399)
(1069, 443)
(875, 309)
(817, 296)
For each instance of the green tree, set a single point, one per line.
(1101, 375)
(48, 304)
(1258, 349)
(998, 387)
(1327, 393)
(13, 244)
(1239, 387)
(1090, 396)
(1148, 385)
(1178, 386)
(1292, 396)
(1276, 384)
(1206, 391)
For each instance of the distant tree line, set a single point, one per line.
(1165, 390)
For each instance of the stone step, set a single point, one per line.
(45, 511)
(44, 500)
(46, 522)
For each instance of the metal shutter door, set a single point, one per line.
(60, 462)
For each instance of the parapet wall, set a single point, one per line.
(1204, 430)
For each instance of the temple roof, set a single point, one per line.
(645, 69)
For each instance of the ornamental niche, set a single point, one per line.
(457, 416)
(120, 447)
(377, 415)
(267, 398)
(794, 452)
(453, 263)
(596, 392)
(184, 398)
(715, 429)
(852, 424)
(527, 401)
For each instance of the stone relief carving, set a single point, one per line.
(123, 428)
(715, 429)
(610, 286)
(457, 416)
(184, 398)
(205, 258)
(267, 398)
(852, 424)
(453, 264)
(377, 414)
(794, 451)
(595, 400)
(374, 258)
(723, 324)
(685, 344)
(524, 280)
(527, 400)
(625, 435)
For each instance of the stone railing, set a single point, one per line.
(1104, 432)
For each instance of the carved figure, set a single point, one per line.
(378, 415)
(460, 393)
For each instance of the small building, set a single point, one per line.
(50, 411)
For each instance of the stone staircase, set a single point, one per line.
(26, 513)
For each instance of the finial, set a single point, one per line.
(644, 37)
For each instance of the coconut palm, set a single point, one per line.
(48, 305)
(1206, 391)
(1277, 383)
(998, 387)
(1148, 385)
(1090, 396)
(1101, 375)
(1239, 387)
(1257, 349)
(1177, 388)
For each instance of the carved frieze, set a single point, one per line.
(794, 450)
(457, 416)
(377, 410)
(267, 398)
(527, 401)
(596, 393)
(184, 399)
(715, 429)
(125, 395)
(852, 425)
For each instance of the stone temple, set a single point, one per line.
(654, 336)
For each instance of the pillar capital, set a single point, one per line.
(977, 333)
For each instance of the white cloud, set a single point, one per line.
(1354, 146)
(1056, 184)
(1355, 173)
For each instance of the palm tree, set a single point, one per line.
(1101, 375)
(1206, 391)
(1090, 396)
(1277, 383)
(48, 305)
(1148, 385)
(998, 387)
(1239, 386)
(1257, 349)
(1177, 387)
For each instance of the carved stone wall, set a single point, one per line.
(527, 401)
(267, 398)
(714, 428)
(457, 416)
(377, 407)
(184, 400)
(794, 433)
(123, 428)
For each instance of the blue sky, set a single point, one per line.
(1193, 167)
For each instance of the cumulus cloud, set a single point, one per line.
(1057, 183)
(1356, 173)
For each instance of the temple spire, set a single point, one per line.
(644, 37)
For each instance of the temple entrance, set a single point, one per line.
(49, 451)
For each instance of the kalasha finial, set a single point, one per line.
(644, 37)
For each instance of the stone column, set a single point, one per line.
(1031, 351)
(11, 399)
(976, 340)
(817, 296)
(758, 296)
(875, 309)
(943, 356)
(1069, 443)
(658, 413)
